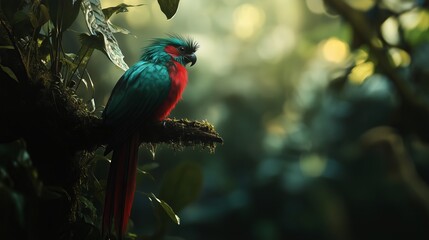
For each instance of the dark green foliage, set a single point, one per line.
(121, 8)
(19, 191)
(181, 185)
(169, 7)
(63, 13)
(50, 186)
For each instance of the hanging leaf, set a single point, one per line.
(96, 22)
(144, 170)
(169, 7)
(116, 29)
(7, 47)
(149, 166)
(91, 104)
(146, 174)
(78, 62)
(92, 41)
(63, 13)
(108, 12)
(39, 15)
(10, 7)
(77, 67)
(91, 87)
(182, 185)
(167, 209)
(44, 49)
(9, 72)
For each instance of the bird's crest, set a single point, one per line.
(155, 50)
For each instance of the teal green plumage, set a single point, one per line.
(145, 85)
(146, 92)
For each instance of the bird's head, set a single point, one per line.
(179, 48)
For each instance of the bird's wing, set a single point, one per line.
(135, 98)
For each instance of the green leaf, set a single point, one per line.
(146, 174)
(19, 17)
(108, 12)
(170, 212)
(149, 166)
(10, 7)
(39, 15)
(143, 170)
(63, 13)
(92, 41)
(9, 72)
(12, 207)
(169, 7)
(7, 47)
(120, 8)
(80, 61)
(97, 24)
(116, 29)
(182, 185)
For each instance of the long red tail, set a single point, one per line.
(120, 189)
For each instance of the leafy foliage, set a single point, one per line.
(96, 22)
(9, 72)
(169, 7)
(67, 204)
(120, 8)
(61, 13)
(182, 185)
(19, 189)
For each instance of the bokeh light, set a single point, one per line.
(399, 57)
(335, 50)
(248, 19)
(389, 29)
(361, 4)
(312, 165)
(361, 71)
(290, 89)
(316, 6)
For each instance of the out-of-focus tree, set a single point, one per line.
(326, 140)
(322, 105)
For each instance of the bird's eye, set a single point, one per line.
(181, 48)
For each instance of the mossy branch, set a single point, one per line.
(177, 132)
(182, 132)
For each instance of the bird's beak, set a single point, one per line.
(191, 58)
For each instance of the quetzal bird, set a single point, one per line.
(147, 91)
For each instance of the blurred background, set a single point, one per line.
(308, 119)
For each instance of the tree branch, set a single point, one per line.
(177, 132)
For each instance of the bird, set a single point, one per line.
(146, 92)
